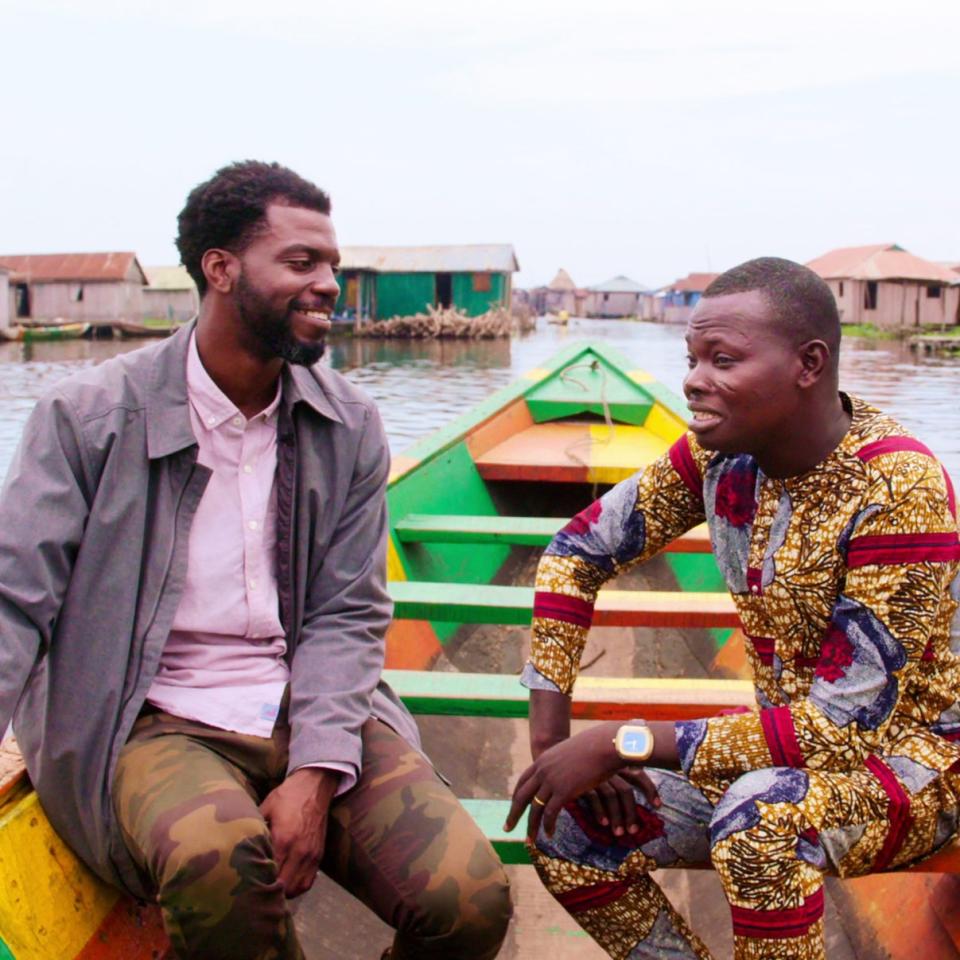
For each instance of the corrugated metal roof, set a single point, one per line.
(619, 284)
(694, 282)
(879, 261)
(169, 278)
(71, 266)
(451, 258)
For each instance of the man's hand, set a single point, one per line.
(611, 803)
(565, 771)
(296, 813)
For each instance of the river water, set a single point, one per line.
(421, 385)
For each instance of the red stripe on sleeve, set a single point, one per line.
(781, 737)
(558, 606)
(685, 465)
(898, 811)
(778, 924)
(892, 445)
(951, 496)
(893, 548)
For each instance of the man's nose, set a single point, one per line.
(325, 282)
(693, 382)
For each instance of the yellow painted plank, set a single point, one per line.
(537, 373)
(616, 454)
(50, 903)
(641, 376)
(400, 465)
(395, 569)
(664, 424)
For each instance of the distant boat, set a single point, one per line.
(129, 329)
(60, 331)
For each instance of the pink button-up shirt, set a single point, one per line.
(223, 661)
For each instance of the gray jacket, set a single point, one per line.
(94, 524)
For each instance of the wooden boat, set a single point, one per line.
(36, 334)
(471, 507)
(129, 330)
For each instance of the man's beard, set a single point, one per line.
(268, 332)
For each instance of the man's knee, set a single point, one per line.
(769, 799)
(463, 916)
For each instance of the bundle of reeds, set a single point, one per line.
(446, 323)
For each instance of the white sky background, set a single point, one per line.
(603, 136)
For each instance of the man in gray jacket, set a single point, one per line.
(193, 606)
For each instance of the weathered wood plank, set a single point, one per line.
(519, 531)
(486, 603)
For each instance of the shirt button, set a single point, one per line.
(253, 584)
(247, 468)
(211, 421)
(238, 421)
(252, 525)
(754, 588)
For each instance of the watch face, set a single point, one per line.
(634, 742)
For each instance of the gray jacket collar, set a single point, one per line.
(167, 406)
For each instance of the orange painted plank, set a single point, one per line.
(656, 608)
(553, 452)
(130, 931)
(511, 420)
(411, 645)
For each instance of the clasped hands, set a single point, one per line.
(571, 768)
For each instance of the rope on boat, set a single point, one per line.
(565, 377)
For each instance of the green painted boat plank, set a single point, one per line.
(469, 528)
(461, 603)
(5, 953)
(432, 693)
(519, 531)
(491, 603)
(489, 815)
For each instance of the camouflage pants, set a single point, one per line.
(187, 797)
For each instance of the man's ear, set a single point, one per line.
(814, 362)
(221, 268)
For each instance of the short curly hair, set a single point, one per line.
(801, 303)
(230, 209)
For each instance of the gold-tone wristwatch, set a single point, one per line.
(634, 742)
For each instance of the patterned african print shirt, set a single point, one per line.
(845, 580)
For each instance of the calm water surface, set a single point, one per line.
(420, 386)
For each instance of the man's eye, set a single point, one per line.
(722, 360)
(300, 264)
(336, 271)
(691, 361)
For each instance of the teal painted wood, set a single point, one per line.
(5, 953)
(489, 815)
(457, 528)
(404, 294)
(474, 302)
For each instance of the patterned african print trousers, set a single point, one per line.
(771, 837)
(187, 796)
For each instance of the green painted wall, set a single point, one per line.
(474, 302)
(403, 294)
(448, 483)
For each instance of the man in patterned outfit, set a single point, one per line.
(836, 532)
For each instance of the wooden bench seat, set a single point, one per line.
(517, 531)
(485, 603)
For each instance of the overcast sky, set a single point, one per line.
(648, 139)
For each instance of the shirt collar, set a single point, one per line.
(212, 405)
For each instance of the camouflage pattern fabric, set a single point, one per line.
(187, 797)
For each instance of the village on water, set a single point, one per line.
(878, 287)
